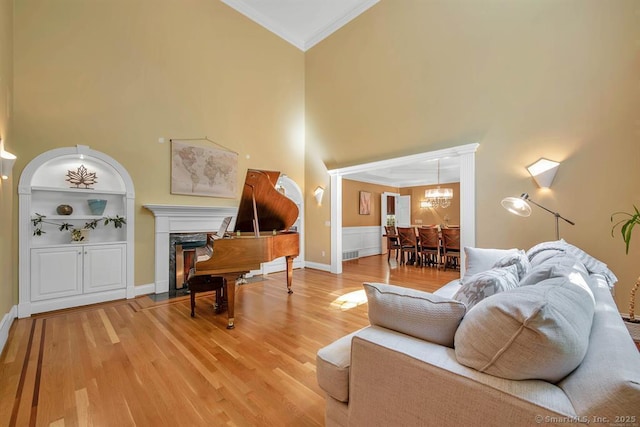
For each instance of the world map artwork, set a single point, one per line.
(203, 171)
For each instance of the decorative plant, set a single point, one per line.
(39, 220)
(626, 225)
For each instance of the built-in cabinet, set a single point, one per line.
(59, 272)
(56, 271)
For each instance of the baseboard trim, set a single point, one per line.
(317, 266)
(5, 326)
(145, 289)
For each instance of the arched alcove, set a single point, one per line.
(56, 271)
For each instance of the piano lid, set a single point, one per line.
(274, 210)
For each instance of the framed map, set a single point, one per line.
(203, 171)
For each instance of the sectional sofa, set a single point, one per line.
(524, 338)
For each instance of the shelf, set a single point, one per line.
(68, 218)
(66, 245)
(78, 190)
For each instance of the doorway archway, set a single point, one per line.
(466, 154)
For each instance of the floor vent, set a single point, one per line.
(350, 255)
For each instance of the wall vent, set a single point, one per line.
(350, 255)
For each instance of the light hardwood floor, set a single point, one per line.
(145, 363)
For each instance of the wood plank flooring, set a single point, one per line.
(145, 363)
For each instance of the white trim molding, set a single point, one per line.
(303, 39)
(466, 153)
(5, 326)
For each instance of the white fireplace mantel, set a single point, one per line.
(181, 219)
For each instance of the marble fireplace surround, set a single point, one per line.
(181, 219)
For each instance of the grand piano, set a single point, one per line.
(262, 233)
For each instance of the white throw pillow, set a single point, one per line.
(419, 314)
(482, 259)
(519, 259)
(562, 264)
(487, 283)
(531, 332)
(545, 251)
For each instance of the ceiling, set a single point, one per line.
(412, 174)
(303, 23)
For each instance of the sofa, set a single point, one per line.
(523, 338)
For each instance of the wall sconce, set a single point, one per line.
(6, 162)
(543, 171)
(318, 193)
(425, 204)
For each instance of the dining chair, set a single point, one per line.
(429, 245)
(451, 247)
(393, 241)
(409, 245)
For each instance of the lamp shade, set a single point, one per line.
(517, 206)
(439, 193)
(543, 171)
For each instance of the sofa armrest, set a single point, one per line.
(450, 289)
(397, 379)
(332, 368)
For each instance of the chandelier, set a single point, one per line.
(437, 197)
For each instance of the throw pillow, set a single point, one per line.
(545, 251)
(519, 259)
(419, 314)
(561, 265)
(531, 332)
(482, 259)
(487, 283)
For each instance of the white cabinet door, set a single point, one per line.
(56, 272)
(104, 267)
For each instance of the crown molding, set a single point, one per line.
(301, 42)
(338, 23)
(263, 20)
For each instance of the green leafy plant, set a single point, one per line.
(626, 225)
(39, 220)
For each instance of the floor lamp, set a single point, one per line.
(520, 207)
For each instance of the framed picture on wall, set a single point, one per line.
(202, 170)
(365, 203)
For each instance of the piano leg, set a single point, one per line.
(231, 298)
(289, 260)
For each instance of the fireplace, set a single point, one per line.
(180, 222)
(182, 257)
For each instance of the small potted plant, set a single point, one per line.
(626, 225)
(77, 234)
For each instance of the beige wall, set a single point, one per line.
(8, 258)
(118, 75)
(525, 79)
(351, 203)
(433, 216)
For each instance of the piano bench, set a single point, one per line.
(207, 283)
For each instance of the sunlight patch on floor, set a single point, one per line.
(349, 300)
